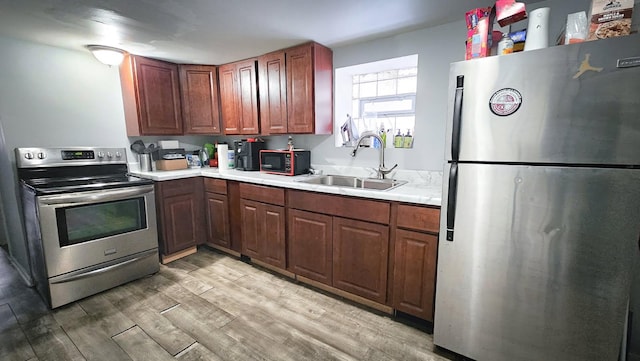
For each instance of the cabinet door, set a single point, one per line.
(235, 216)
(199, 90)
(414, 274)
(229, 107)
(272, 78)
(360, 252)
(158, 95)
(218, 219)
(310, 244)
(181, 214)
(180, 222)
(272, 235)
(248, 96)
(300, 89)
(250, 215)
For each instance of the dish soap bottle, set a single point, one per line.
(383, 135)
(290, 143)
(408, 140)
(397, 140)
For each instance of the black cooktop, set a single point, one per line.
(74, 184)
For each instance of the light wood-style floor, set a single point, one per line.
(207, 306)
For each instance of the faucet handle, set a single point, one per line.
(384, 171)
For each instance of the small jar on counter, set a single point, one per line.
(505, 45)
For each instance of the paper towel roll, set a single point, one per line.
(223, 164)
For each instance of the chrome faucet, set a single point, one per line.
(382, 170)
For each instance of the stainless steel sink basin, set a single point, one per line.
(354, 182)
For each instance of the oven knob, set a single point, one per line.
(109, 155)
(28, 155)
(100, 155)
(41, 155)
(118, 155)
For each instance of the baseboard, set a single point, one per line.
(25, 274)
(355, 298)
(223, 249)
(174, 256)
(273, 268)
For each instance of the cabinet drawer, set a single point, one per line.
(354, 208)
(419, 218)
(215, 185)
(179, 186)
(263, 194)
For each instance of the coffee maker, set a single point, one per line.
(248, 153)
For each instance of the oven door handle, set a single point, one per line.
(97, 196)
(82, 274)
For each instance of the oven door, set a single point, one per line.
(83, 229)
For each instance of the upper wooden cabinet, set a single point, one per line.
(151, 96)
(273, 93)
(199, 91)
(239, 97)
(307, 71)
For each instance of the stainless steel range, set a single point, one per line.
(90, 226)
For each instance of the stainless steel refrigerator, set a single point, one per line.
(540, 218)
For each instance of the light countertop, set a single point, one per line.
(422, 187)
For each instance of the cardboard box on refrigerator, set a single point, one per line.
(509, 12)
(609, 19)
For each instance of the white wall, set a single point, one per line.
(436, 47)
(52, 97)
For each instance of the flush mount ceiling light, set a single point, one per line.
(106, 54)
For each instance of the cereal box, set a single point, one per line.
(610, 18)
(478, 25)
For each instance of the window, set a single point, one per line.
(379, 97)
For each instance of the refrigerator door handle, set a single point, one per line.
(457, 119)
(451, 200)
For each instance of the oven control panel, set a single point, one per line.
(55, 157)
(77, 154)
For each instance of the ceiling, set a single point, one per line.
(218, 31)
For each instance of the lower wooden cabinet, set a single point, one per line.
(180, 214)
(414, 273)
(217, 212)
(360, 258)
(384, 252)
(218, 220)
(310, 245)
(251, 228)
(263, 232)
(414, 259)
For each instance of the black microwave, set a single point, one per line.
(285, 162)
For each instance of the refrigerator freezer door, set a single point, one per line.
(540, 263)
(569, 113)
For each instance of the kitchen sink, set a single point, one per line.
(354, 182)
